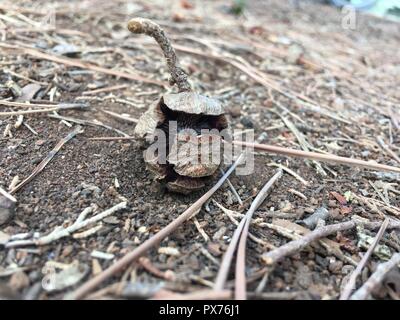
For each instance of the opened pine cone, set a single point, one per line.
(182, 169)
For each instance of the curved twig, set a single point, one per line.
(148, 27)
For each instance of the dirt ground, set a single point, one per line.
(350, 79)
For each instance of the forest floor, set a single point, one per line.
(293, 74)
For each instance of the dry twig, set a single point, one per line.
(121, 117)
(81, 64)
(386, 148)
(93, 122)
(317, 156)
(7, 195)
(272, 257)
(292, 153)
(50, 109)
(376, 278)
(148, 27)
(240, 281)
(107, 89)
(352, 281)
(227, 259)
(61, 232)
(43, 105)
(48, 158)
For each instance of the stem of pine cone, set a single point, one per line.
(148, 27)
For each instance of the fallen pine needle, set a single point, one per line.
(93, 122)
(240, 280)
(227, 259)
(132, 256)
(108, 89)
(42, 105)
(235, 193)
(7, 195)
(33, 111)
(83, 65)
(291, 172)
(121, 117)
(263, 80)
(316, 156)
(386, 148)
(350, 285)
(291, 153)
(376, 278)
(147, 265)
(111, 138)
(48, 158)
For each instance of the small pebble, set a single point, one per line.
(235, 111)
(169, 251)
(247, 122)
(101, 255)
(7, 209)
(335, 266)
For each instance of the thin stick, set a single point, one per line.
(227, 259)
(352, 281)
(42, 105)
(291, 172)
(231, 215)
(305, 145)
(263, 80)
(121, 117)
(30, 128)
(376, 278)
(132, 256)
(61, 232)
(235, 193)
(25, 78)
(386, 148)
(272, 257)
(316, 156)
(291, 247)
(7, 195)
(94, 122)
(102, 90)
(48, 158)
(111, 138)
(83, 65)
(240, 280)
(292, 153)
(148, 27)
(33, 111)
